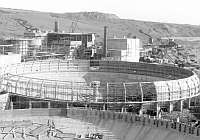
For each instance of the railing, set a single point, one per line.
(135, 92)
(84, 65)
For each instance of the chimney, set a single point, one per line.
(56, 27)
(105, 41)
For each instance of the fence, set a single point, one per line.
(183, 84)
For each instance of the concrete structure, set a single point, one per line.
(35, 34)
(20, 45)
(56, 29)
(180, 84)
(9, 59)
(4, 101)
(194, 105)
(105, 41)
(39, 40)
(125, 49)
(65, 42)
(113, 125)
(26, 47)
(4, 48)
(96, 95)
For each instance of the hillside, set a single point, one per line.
(12, 21)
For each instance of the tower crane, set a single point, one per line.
(74, 26)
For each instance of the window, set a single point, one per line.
(78, 37)
(73, 38)
(89, 38)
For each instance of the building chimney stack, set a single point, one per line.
(105, 41)
(56, 27)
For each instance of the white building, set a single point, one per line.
(124, 49)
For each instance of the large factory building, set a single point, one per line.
(64, 42)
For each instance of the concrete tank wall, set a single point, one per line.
(185, 85)
(126, 126)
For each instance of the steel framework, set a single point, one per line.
(182, 83)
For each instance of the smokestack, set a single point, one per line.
(56, 27)
(105, 41)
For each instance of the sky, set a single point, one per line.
(170, 11)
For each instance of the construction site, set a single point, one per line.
(57, 85)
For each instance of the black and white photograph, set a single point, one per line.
(99, 70)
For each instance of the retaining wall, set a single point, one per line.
(127, 126)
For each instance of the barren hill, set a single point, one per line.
(12, 22)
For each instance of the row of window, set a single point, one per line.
(87, 38)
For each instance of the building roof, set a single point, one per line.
(70, 33)
(121, 38)
(20, 39)
(9, 45)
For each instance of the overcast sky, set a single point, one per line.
(172, 11)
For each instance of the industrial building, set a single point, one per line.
(26, 46)
(64, 42)
(18, 46)
(124, 49)
(7, 58)
(39, 39)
